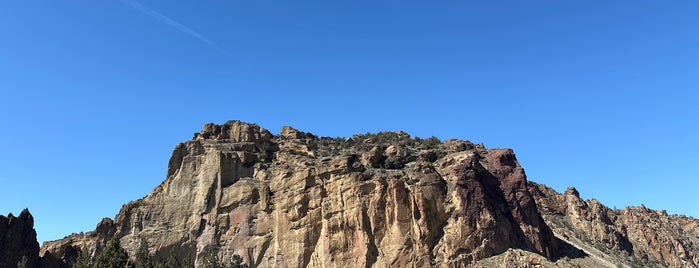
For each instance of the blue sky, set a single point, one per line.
(94, 95)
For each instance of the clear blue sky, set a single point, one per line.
(94, 95)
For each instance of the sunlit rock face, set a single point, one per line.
(372, 200)
(296, 200)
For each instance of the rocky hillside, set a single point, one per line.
(380, 200)
(634, 236)
(18, 240)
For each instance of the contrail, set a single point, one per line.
(165, 19)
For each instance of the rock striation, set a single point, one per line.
(18, 240)
(372, 200)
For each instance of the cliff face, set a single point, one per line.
(18, 239)
(297, 200)
(379, 200)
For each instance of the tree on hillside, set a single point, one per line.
(83, 260)
(143, 259)
(113, 256)
(174, 261)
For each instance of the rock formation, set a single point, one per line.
(291, 200)
(379, 200)
(18, 239)
(634, 236)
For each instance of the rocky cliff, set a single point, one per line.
(634, 236)
(379, 200)
(18, 240)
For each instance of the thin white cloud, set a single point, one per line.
(170, 22)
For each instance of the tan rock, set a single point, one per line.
(647, 237)
(292, 133)
(375, 200)
(373, 157)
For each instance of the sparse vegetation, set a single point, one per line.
(23, 263)
(212, 260)
(114, 256)
(327, 146)
(430, 143)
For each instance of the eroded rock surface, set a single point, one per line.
(296, 200)
(375, 200)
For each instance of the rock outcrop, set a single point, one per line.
(64, 252)
(296, 200)
(18, 240)
(375, 200)
(634, 236)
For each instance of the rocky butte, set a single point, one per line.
(375, 200)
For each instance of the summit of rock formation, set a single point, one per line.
(18, 239)
(372, 200)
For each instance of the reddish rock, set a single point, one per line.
(513, 183)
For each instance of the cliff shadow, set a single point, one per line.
(567, 250)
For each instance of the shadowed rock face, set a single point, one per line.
(297, 200)
(18, 239)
